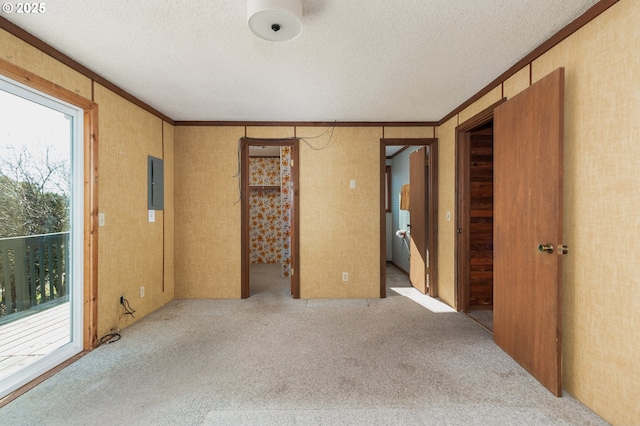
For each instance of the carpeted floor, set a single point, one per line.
(274, 360)
(484, 317)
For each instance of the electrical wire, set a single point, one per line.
(305, 140)
(109, 338)
(128, 310)
(332, 128)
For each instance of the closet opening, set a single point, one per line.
(269, 203)
(474, 217)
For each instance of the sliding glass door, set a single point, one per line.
(41, 233)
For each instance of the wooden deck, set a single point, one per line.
(26, 340)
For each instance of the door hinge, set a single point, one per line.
(292, 163)
(292, 271)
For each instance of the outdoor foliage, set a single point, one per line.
(33, 196)
(34, 200)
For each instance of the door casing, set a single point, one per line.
(432, 214)
(463, 201)
(245, 262)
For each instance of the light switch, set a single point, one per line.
(100, 219)
(352, 183)
(152, 215)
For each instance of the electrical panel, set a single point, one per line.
(156, 183)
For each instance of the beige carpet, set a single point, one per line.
(274, 360)
(484, 317)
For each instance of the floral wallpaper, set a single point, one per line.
(286, 202)
(264, 171)
(265, 233)
(270, 210)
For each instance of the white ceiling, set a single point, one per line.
(356, 60)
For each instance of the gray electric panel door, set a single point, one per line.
(156, 183)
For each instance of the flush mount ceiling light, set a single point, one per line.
(275, 20)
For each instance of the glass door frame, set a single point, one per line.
(84, 212)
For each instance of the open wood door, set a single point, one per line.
(418, 211)
(528, 155)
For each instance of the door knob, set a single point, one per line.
(545, 248)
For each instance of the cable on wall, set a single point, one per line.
(128, 310)
(332, 128)
(305, 140)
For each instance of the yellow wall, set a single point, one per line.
(130, 250)
(446, 204)
(409, 132)
(339, 226)
(207, 225)
(484, 102)
(168, 157)
(270, 132)
(601, 290)
(24, 55)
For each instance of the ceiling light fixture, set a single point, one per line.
(275, 20)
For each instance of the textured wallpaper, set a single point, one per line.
(270, 210)
(264, 171)
(286, 202)
(600, 291)
(31, 59)
(265, 228)
(131, 249)
(265, 233)
(601, 288)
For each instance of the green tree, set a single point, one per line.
(34, 196)
(34, 200)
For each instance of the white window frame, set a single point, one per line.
(76, 279)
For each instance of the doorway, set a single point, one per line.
(41, 235)
(474, 227)
(527, 136)
(396, 216)
(270, 205)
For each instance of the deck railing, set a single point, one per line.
(33, 271)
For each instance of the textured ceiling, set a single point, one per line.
(356, 60)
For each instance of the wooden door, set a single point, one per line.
(418, 261)
(528, 147)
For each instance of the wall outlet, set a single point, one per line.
(141, 292)
(345, 276)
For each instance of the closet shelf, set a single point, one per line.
(264, 187)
